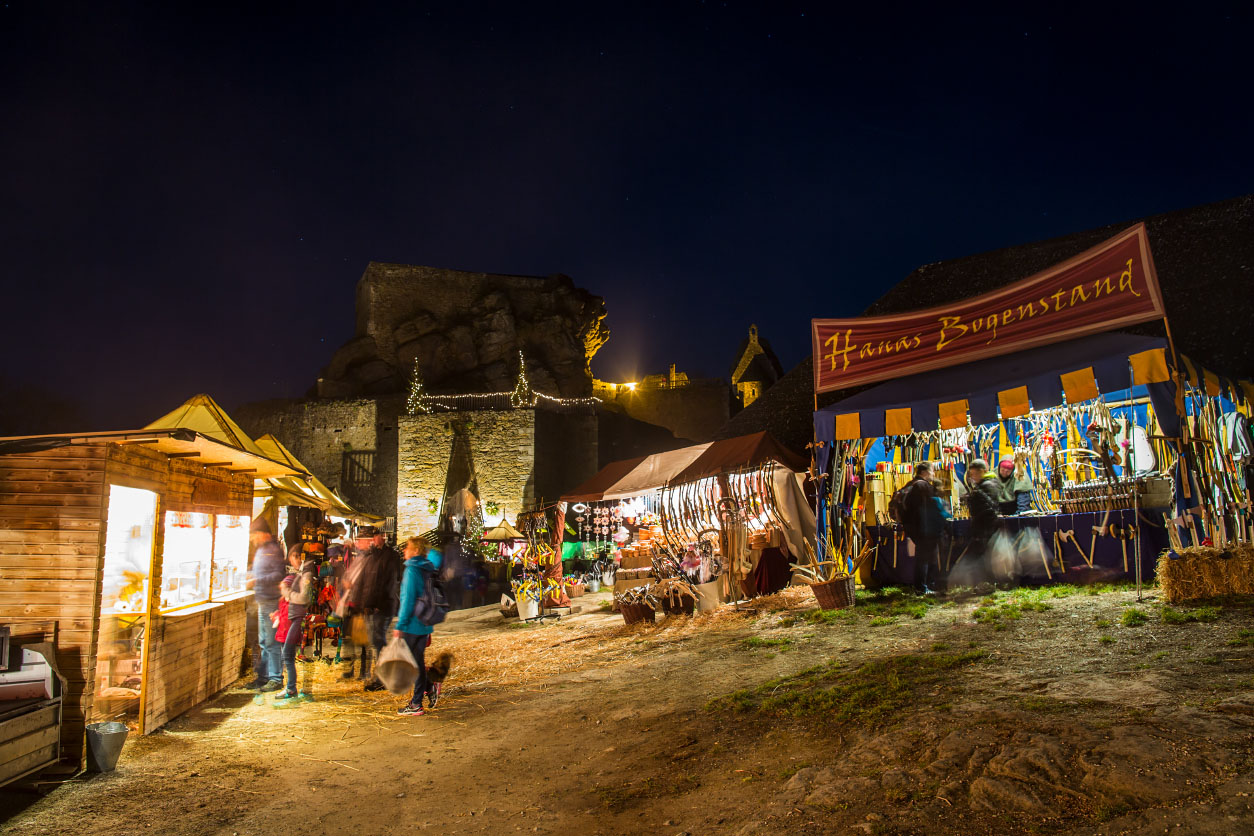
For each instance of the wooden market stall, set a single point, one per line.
(722, 504)
(129, 548)
(1112, 447)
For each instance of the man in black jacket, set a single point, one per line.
(983, 502)
(919, 495)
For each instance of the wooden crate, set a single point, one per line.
(29, 742)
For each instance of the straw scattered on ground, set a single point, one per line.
(524, 654)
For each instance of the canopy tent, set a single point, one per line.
(294, 486)
(1039, 376)
(307, 490)
(739, 468)
(739, 453)
(654, 472)
(501, 532)
(203, 415)
(594, 489)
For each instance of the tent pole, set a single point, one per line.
(1184, 448)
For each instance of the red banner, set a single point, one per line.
(1106, 287)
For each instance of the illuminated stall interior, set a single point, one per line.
(137, 561)
(1093, 432)
(702, 506)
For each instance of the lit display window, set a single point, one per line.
(230, 554)
(123, 604)
(188, 559)
(128, 550)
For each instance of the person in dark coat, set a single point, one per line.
(918, 519)
(984, 501)
(375, 594)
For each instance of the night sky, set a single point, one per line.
(188, 196)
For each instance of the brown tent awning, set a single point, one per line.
(593, 489)
(738, 453)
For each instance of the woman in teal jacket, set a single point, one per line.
(419, 557)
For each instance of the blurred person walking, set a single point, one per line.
(923, 523)
(296, 591)
(267, 573)
(373, 596)
(422, 567)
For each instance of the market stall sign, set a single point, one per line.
(1107, 287)
(210, 493)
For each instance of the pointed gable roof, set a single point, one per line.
(202, 414)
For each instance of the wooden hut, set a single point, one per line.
(131, 549)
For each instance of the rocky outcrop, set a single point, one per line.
(465, 330)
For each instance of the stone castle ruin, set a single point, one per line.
(465, 331)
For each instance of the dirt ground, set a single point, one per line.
(1058, 711)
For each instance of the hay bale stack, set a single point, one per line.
(1207, 572)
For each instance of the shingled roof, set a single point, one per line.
(1205, 261)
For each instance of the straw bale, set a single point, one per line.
(1207, 572)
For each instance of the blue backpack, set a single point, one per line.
(431, 606)
(933, 513)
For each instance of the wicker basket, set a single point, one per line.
(684, 606)
(835, 594)
(635, 613)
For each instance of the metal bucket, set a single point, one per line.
(711, 595)
(104, 745)
(594, 585)
(528, 609)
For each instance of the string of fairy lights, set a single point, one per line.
(422, 402)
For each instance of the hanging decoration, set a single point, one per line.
(417, 403)
(522, 394)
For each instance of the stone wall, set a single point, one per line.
(694, 412)
(520, 457)
(503, 449)
(567, 448)
(319, 432)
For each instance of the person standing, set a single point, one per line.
(984, 500)
(1014, 492)
(267, 573)
(296, 590)
(374, 594)
(922, 524)
(452, 570)
(422, 564)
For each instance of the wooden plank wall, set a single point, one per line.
(175, 479)
(194, 655)
(52, 519)
(192, 658)
(53, 513)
